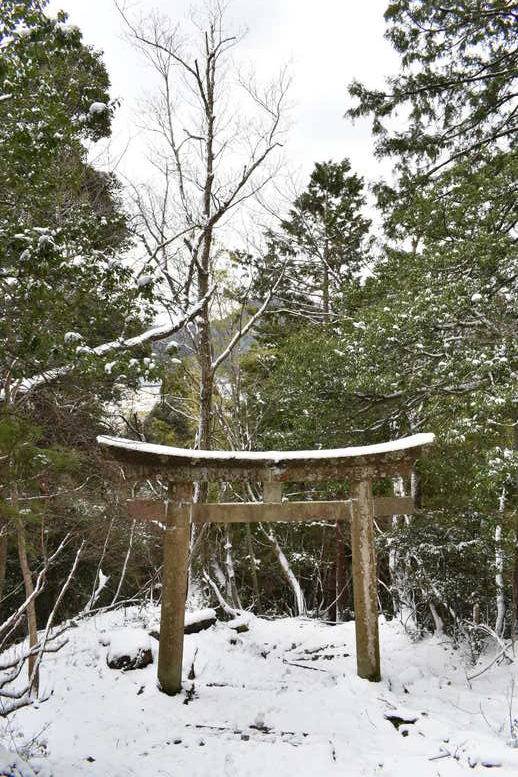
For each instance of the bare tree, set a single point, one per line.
(31, 654)
(216, 137)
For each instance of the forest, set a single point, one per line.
(348, 312)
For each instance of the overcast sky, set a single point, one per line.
(326, 44)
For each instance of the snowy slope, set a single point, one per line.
(282, 699)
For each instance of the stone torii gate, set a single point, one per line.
(181, 467)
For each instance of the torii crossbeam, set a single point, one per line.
(181, 467)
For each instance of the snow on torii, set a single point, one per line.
(181, 467)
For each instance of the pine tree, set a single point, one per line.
(323, 244)
(459, 65)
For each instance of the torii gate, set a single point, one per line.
(181, 467)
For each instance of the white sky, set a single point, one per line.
(325, 43)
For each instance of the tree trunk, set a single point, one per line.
(231, 587)
(515, 565)
(205, 354)
(3, 558)
(125, 565)
(515, 586)
(437, 620)
(253, 569)
(300, 603)
(204, 436)
(416, 490)
(204, 440)
(499, 574)
(325, 274)
(396, 567)
(32, 625)
(341, 572)
(325, 292)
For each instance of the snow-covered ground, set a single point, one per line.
(281, 699)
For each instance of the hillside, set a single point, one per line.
(280, 699)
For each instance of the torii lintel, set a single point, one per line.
(181, 465)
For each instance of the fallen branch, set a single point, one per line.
(503, 652)
(303, 666)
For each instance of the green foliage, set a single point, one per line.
(445, 560)
(435, 336)
(49, 81)
(320, 247)
(430, 339)
(459, 65)
(325, 231)
(24, 464)
(301, 396)
(427, 343)
(62, 289)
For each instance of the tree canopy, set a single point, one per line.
(457, 83)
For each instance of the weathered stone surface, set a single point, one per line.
(240, 624)
(128, 648)
(194, 622)
(138, 660)
(181, 465)
(201, 625)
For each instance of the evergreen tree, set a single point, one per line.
(459, 65)
(63, 289)
(323, 244)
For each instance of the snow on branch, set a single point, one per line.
(25, 385)
(242, 332)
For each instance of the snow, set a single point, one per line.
(96, 108)
(125, 642)
(200, 615)
(403, 713)
(13, 765)
(72, 337)
(155, 333)
(67, 29)
(23, 31)
(280, 699)
(404, 443)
